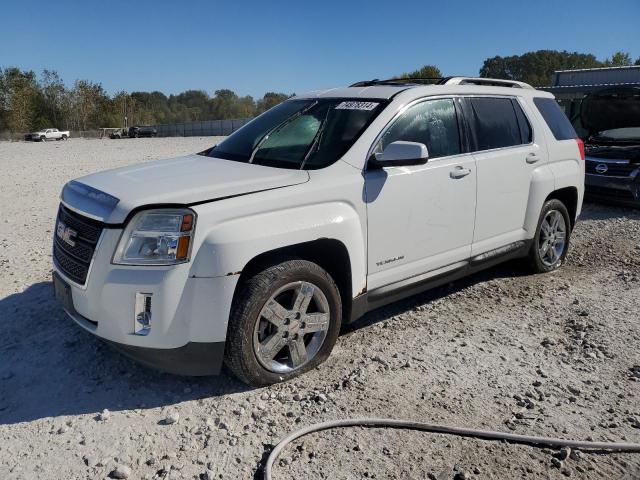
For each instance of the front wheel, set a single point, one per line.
(285, 320)
(551, 242)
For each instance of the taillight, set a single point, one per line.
(580, 147)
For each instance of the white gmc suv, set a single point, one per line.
(331, 204)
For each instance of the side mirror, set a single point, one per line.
(401, 153)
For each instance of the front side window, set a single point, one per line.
(494, 123)
(301, 134)
(433, 123)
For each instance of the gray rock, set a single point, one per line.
(576, 455)
(171, 418)
(208, 475)
(104, 415)
(121, 472)
(564, 453)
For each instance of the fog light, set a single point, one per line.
(142, 314)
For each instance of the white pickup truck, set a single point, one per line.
(47, 134)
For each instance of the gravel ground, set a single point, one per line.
(553, 354)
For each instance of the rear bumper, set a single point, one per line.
(618, 190)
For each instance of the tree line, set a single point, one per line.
(29, 102)
(536, 68)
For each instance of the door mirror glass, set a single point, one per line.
(400, 153)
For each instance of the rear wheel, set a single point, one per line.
(64, 137)
(551, 243)
(43, 138)
(285, 321)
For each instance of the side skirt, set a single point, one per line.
(406, 288)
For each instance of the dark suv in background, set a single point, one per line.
(142, 131)
(611, 118)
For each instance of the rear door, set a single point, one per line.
(506, 156)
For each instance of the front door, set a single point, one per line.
(421, 218)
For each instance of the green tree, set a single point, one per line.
(53, 91)
(18, 92)
(536, 67)
(427, 71)
(618, 59)
(269, 100)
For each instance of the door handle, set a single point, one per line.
(532, 158)
(459, 172)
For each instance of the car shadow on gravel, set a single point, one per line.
(592, 210)
(49, 366)
(509, 269)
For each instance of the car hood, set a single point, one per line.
(611, 109)
(111, 195)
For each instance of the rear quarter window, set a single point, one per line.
(555, 118)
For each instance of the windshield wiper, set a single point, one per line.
(279, 127)
(316, 140)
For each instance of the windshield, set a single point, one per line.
(300, 134)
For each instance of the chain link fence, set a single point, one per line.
(206, 128)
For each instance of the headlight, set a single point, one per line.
(157, 237)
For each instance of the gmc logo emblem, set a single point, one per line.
(66, 234)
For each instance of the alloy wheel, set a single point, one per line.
(553, 238)
(291, 327)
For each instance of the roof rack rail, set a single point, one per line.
(490, 82)
(398, 81)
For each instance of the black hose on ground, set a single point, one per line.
(458, 431)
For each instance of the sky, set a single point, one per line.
(294, 46)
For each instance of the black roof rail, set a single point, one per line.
(399, 81)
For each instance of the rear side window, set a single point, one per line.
(494, 123)
(558, 122)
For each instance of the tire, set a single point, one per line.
(275, 292)
(548, 251)
(43, 138)
(64, 137)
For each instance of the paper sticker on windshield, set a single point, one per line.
(357, 106)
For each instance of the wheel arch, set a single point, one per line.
(330, 254)
(569, 197)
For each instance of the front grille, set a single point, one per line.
(74, 260)
(613, 169)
